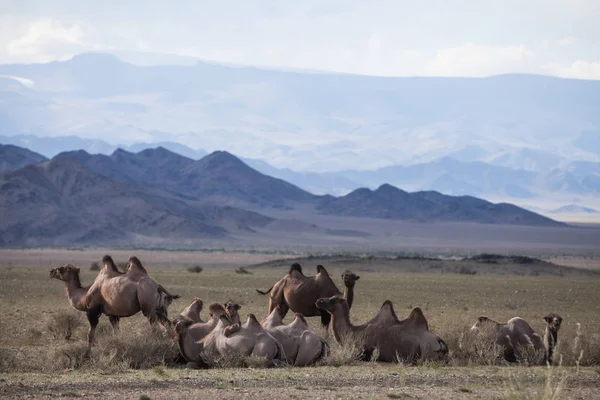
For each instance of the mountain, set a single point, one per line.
(334, 121)
(574, 208)
(60, 202)
(390, 202)
(13, 158)
(219, 177)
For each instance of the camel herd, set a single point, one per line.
(201, 343)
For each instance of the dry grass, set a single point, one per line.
(63, 324)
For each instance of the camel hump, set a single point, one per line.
(134, 261)
(107, 259)
(299, 317)
(321, 270)
(417, 317)
(296, 267)
(216, 309)
(253, 322)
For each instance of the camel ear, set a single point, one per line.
(357, 277)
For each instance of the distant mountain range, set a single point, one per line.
(156, 195)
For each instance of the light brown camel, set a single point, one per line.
(517, 332)
(125, 294)
(233, 340)
(192, 312)
(76, 293)
(302, 345)
(190, 334)
(298, 292)
(407, 340)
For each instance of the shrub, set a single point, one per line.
(63, 324)
(94, 266)
(196, 269)
(242, 270)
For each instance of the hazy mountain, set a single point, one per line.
(574, 208)
(390, 202)
(60, 202)
(13, 158)
(317, 122)
(219, 177)
(529, 160)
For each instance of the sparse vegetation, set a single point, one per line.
(95, 266)
(242, 270)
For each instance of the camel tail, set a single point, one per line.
(263, 293)
(172, 296)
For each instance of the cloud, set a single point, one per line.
(479, 60)
(579, 69)
(562, 42)
(43, 34)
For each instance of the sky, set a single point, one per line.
(372, 37)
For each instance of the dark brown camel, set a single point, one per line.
(298, 292)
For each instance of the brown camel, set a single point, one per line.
(125, 294)
(250, 339)
(517, 333)
(190, 334)
(75, 292)
(407, 340)
(298, 292)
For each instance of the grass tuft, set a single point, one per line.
(63, 324)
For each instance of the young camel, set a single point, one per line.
(250, 339)
(190, 334)
(407, 340)
(298, 292)
(125, 294)
(301, 345)
(517, 332)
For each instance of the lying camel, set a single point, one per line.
(250, 339)
(76, 293)
(407, 340)
(298, 292)
(301, 345)
(517, 332)
(192, 312)
(190, 334)
(125, 294)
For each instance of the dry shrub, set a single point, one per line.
(552, 388)
(473, 348)
(530, 356)
(95, 266)
(242, 270)
(196, 269)
(63, 324)
(583, 351)
(348, 351)
(140, 348)
(9, 362)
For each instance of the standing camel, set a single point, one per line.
(298, 292)
(125, 294)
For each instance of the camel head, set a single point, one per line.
(65, 272)
(331, 304)
(349, 278)
(232, 309)
(483, 322)
(553, 320)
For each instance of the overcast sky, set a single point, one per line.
(395, 37)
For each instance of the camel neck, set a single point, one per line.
(349, 295)
(550, 338)
(341, 322)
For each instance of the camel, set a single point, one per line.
(192, 312)
(517, 332)
(301, 345)
(125, 294)
(76, 293)
(190, 334)
(406, 341)
(250, 339)
(298, 292)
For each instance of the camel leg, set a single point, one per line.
(93, 317)
(114, 321)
